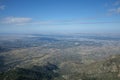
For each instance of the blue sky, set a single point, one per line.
(64, 16)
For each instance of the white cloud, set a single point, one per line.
(28, 21)
(114, 11)
(2, 7)
(15, 20)
(114, 8)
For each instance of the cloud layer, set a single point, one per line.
(15, 20)
(29, 21)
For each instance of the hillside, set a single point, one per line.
(108, 69)
(59, 58)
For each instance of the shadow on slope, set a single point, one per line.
(47, 72)
(2, 63)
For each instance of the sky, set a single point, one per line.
(59, 16)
